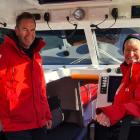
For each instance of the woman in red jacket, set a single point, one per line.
(24, 110)
(127, 98)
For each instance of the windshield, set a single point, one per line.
(63, 48)
(69, 47)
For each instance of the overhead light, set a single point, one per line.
(79, 14)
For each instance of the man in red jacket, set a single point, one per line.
(24, 109)
(127, 98)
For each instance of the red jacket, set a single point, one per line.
(127, 98)
(23, 102)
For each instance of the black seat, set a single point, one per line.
(130, 129)
(126, 129)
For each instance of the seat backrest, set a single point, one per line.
(129, 129)
(67, 90)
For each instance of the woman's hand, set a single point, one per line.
(103, 119)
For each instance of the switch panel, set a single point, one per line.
(104, 84)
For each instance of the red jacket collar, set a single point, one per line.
(133, 68)
(10, 41)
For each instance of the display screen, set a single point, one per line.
(114, 82)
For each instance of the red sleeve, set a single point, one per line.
(114, 112)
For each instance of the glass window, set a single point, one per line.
(65, 48)
(109, 44)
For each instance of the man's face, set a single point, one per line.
(132, 51)
(26, 32)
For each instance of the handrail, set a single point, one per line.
(80, 76)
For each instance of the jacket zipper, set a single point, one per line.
(34, 98)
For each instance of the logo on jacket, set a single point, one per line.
(126, 89)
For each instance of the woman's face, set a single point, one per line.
(132, 51)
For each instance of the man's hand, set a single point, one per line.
(103, 119)
(49, 124)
